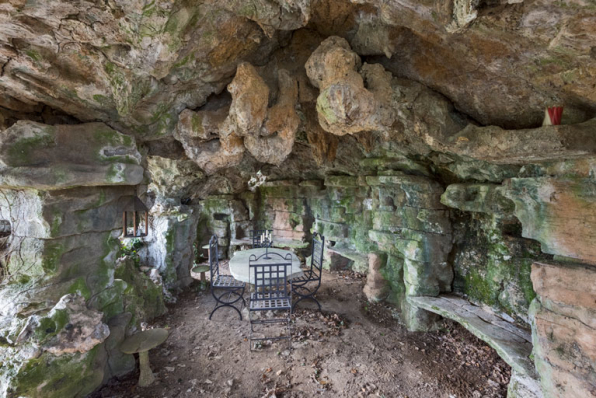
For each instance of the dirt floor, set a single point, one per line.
(352, 349)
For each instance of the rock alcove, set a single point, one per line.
(409, 134)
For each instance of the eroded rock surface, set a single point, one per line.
(345, 105)
(557, 213)
(82, 331)
(34, 155)
(547, 143)
(409, 128)
(563, 329)
(267, 133)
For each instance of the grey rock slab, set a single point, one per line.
(35, 155)
(523, 386)
(511, 343)
(546, 143)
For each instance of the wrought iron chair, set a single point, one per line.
(300, 286)
(269, 274)
(261, 238)
(226, 290)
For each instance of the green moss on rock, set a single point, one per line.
(493, 268)
(72, 375)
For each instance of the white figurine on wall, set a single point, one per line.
(256, 181)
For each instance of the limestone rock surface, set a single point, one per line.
(82, 331)
(267, 133)
(527, 53)
(496, 145)
(564, 351)
(345, 105)
(484, 198)
(557, 213)
(33, 155)
(564, 329)
(376, 287)
(133, 63)
(173, 179)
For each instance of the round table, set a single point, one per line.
(239, 263)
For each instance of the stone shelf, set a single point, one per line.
(294, 244)
(512, 343)
(291, 243)
(241, 242)
(360, 260)
(280, 243)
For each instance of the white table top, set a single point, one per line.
(239, 263)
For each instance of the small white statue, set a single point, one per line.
(256, 181)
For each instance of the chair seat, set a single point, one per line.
(227, 281)
(269, 301)
(308, 276)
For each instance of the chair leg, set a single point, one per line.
(225, 305)
(251, 331)
(280, 320)
(219, 303)
(290, 330)
(242, 295)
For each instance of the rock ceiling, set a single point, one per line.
(391, 113)
(137, 65)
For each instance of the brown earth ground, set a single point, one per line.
(352, 349)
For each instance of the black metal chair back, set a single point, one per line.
(213, 257)
(269, 274)
(306, 287)
(261, 238)
(318, 246)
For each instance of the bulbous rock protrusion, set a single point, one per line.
(204, 141)
(215, 143)
(250, 96)
(278, 134)
(345, 105)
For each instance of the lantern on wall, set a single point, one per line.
(134, 215)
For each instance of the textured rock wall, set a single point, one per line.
(283, 206)
(405, 132)
(63, 291)
(228, 218)
(564, 329)
(492, 262)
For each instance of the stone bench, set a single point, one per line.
(511, 342)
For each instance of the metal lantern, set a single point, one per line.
(133, 210)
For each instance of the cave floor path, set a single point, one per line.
(352, 349)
